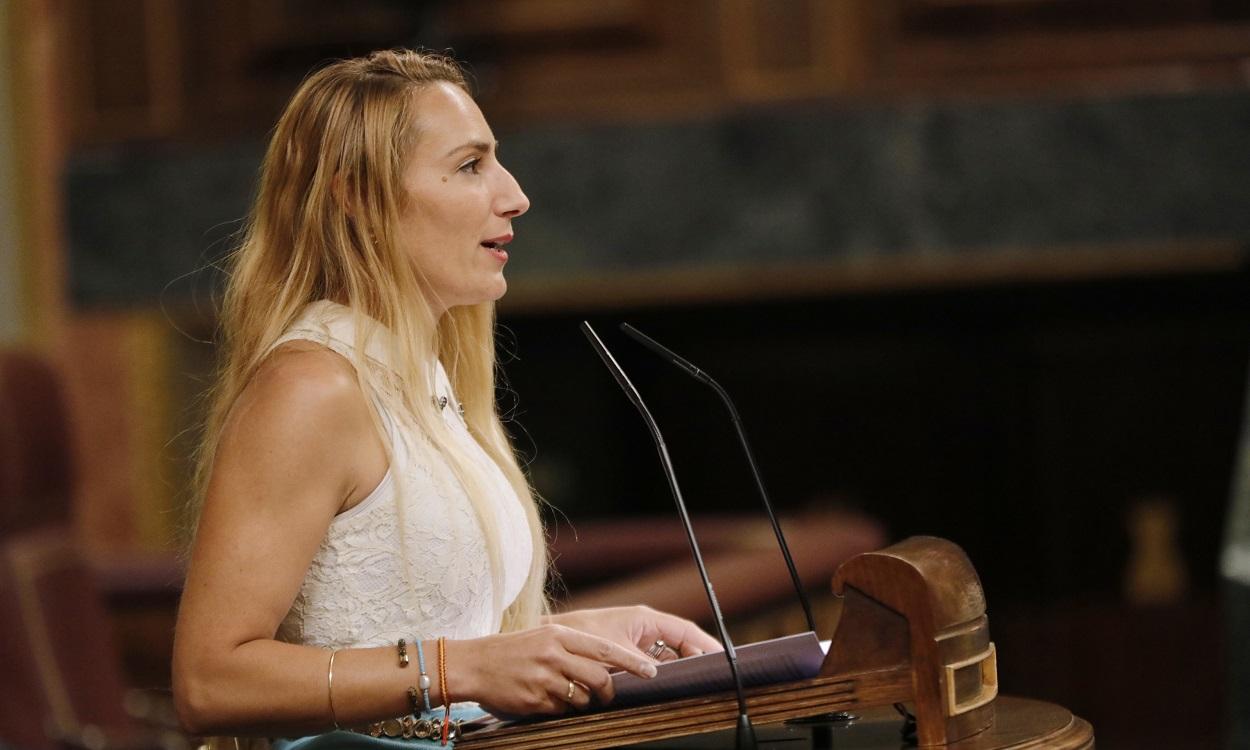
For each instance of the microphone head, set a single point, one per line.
(618, 373)
(647, 341)
(665, 353)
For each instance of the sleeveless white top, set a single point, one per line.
(356, 591)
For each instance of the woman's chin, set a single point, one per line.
(493, 293)
(499, 289)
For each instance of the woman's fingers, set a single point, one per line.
(549, 669)
(591, 682)
(684, 636)
(578, 669)
(696, 642)
(606, 652)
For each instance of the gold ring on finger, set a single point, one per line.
(572, 689)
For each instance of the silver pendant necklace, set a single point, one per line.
(440, 403)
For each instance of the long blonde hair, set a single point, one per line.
(321, 228)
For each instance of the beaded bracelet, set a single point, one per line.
(423, 681)
(414, 701)
(403, 653)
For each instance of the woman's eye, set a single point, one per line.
(470, 166)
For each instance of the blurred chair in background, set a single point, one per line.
(36, 469)
(63, 683)
(647, 561)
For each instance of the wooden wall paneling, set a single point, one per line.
(156, 492)
(98, 392)
(1085, 48)
(852, 42)
(777, 51)
(218, 86)
(14, 290)
(284, 25)
(1040, 44)
(119, 391)
(40, 36)
(956, 17)
(145, 69)
(238, 68)
(770, 49)
(91, 63)
(125, 64)
(546, 19)
(164, 57)
(626, 59)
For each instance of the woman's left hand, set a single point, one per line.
(640, 627)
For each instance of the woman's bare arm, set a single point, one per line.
(298, 447)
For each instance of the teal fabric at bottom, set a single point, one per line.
(345, 740)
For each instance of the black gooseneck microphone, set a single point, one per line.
(746, 732)
(703, 377)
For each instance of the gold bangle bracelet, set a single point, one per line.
(442, 685)
(330, 688)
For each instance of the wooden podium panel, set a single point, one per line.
(657, 721)
(913, 631)
(1019, 724)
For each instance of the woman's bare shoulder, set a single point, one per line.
(305, 392)
(308, 366)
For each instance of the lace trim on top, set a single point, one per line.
(356, 591)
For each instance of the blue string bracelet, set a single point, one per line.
(423, 681)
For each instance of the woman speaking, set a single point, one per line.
(368, 566)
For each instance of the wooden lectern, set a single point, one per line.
(912, 630)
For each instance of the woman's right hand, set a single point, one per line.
(529, 671)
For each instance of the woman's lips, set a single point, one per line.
(495, 247)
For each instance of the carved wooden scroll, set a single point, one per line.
(920, 603)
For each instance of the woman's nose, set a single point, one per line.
(512, 201)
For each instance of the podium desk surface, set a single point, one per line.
(1019, 724)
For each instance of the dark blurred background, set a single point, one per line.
(972, 268)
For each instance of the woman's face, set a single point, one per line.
(460, 201)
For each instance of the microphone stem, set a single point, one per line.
(690, 369)
(747, 739)
(731, 655)
(768, 505)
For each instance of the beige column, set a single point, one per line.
(33, 136)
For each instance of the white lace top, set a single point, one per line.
(355, 592)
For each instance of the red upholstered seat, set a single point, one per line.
(36, 466)
(62, 684)
(62, 677)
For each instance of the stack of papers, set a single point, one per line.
(785, 659)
